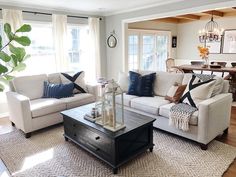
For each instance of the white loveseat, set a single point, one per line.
(211, 119)
(29, 111)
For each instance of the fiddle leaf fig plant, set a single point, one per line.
(12, 53)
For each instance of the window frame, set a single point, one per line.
(143, 32)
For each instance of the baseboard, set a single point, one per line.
(2, 115)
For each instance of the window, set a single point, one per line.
(148, 50)
(78, 47)
(42, 53)
(133, 51)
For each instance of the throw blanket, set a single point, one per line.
(180, 115)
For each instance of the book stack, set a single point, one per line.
(91, 118)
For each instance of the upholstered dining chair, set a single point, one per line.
(170, 66)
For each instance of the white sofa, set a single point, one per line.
(211, 119)
(29, 111)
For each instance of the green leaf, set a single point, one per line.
(0, 41)
(20, 67)
(7, 28)
(1, 88)
(23, 40)
(14, 60)
(3, 69)
(18, 51)
(24, 28)
(8, 77)
(4, 56)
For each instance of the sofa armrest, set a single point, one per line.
(214, 117)
(93, 89)
(19, 111)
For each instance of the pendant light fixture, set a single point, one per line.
(211, 32)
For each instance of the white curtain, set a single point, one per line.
(94, 47)
(59, 23)
(13, 17)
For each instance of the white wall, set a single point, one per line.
(115, 22)
(155, 25)
(188, 40)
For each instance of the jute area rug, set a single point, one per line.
(46, 154)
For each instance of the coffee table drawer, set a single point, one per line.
(98, 151)
(96, 142)
(93, 138)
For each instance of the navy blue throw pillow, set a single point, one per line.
(141, 85)
(58, 90)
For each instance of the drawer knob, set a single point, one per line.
(75, 135)
(97, 138)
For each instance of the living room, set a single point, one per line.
(91, 51)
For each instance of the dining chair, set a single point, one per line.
(170, 66)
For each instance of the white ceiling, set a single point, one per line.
(93, 7)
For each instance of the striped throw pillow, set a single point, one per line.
(58, 90)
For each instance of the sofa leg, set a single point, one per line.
(27, 135)
(12, 124)
(226, 131)
(204, 146)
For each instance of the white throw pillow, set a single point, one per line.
(78, 79)
(218, 86)
(123, 81)
(197, 90)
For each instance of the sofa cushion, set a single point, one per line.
(164, 81)
(149, 104)
(165, 111)
(44, 106)
(30, 86)
(54, 78)
(127, 99)
(78, 100)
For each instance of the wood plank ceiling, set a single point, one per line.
(199, 16)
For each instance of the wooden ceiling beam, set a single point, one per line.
(215, 13)
(167, 20)
(189, 17)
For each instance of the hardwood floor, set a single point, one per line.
(230, 138)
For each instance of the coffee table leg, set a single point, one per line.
(151, 149)
(66, 139)
(115, 170)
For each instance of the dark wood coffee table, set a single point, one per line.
(114, 148)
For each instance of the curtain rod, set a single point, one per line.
(42, 13)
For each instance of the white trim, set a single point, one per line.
(3, 115)
(141, 8)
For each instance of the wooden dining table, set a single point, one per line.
(229, 71)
